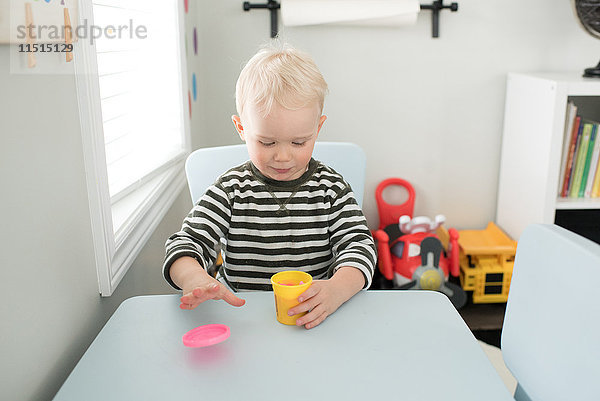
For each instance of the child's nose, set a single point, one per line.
(283, 154)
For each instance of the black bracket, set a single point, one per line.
(272, 6)
(435, 8)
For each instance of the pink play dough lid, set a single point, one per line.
(206, 335)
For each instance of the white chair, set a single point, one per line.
(203, 166)
(551, 332)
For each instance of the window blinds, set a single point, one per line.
(140, 87)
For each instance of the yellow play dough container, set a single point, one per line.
(287, 289)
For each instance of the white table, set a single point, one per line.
(380, 345)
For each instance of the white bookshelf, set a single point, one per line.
(577, 203)
(532, 142)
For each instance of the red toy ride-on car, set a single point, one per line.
(416, 253)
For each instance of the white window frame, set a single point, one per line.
(114, 256)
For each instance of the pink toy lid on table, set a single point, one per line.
(206, 335)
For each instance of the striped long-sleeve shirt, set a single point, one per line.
(312, 224)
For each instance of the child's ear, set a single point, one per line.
(237, 123)
(321, 121)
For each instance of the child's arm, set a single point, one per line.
(197, 285)
(200, 233)
(193, 248)
(354, 250)
(350, 238)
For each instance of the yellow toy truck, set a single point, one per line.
(487, 258)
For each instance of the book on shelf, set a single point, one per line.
(588, 161)
(572, 152)
(596, 186)
(568, 135)
(580, 160)
(593, 164)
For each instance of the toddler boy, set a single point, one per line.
(281, 210)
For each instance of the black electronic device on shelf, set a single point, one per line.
(588, 14)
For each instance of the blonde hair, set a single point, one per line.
(282, 74)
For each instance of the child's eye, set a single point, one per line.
(267, 143)
(299, 143)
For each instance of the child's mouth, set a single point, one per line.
(282, 170)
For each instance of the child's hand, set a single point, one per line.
(324, 297)
(197, 293)
(198, 286)
(321, 300)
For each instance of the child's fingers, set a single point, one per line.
(199, 295)
(205, 292)
(212, 291)
(310, 292)
(192, 297)
(312, 318)
(316, 322)
(305, 306)
(187, 299)
(232, 299)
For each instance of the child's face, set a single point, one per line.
(281, 144)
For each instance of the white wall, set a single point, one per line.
(427, 110)
(50, 308)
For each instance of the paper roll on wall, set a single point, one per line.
(350, 12)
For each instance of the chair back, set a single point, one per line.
(550, 337)
(205, 165)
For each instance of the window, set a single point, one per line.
(131, 83)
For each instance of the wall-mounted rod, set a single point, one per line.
(272, 6)
(435, 8)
